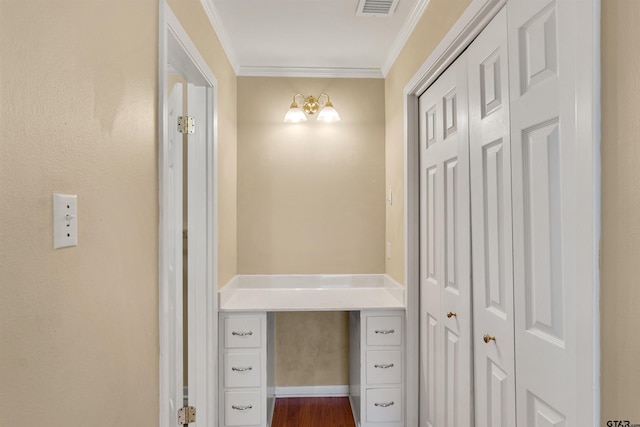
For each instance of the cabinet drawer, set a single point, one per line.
(384, 367)
(242, 332)
(384, 330)
(242, 408)
(384, 405)
(242, 370)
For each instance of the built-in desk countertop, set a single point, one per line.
(313, 292)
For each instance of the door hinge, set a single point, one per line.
(186, 124)
(186, 415)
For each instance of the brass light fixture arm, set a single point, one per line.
(309, 104)
(295, 99)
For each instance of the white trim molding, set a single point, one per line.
(221, 32)
(317, 72)
(313, 391)
(176, 48)
(404, 34)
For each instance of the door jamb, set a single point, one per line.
(177, 49)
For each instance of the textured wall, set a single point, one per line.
(310, 200)
(78, 91)
(312, 348)
(437, 19)
(620, 245)
(79, 326)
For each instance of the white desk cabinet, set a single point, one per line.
(377, 368)
(246, 369)
(246, 343)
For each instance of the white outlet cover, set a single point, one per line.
(65, 220)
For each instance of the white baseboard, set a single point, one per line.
(313, 391)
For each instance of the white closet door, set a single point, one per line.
(445, 294)
(493, 311)
(542, 46)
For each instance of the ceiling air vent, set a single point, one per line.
(376, 7)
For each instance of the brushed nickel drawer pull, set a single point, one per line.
(242, 407)
(385, 331)
(242, 334)
(248, 368)
(385, 404)
(383, 366)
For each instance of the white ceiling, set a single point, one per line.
(310, 37)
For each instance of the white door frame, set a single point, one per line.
(477, 15)
(176, 50)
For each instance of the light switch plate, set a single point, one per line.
(65, 220)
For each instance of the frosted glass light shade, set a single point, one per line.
(294, 115)
(328, 114)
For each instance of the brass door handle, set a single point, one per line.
(451, 314)
(488, 338)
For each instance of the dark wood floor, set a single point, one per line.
(313, 412)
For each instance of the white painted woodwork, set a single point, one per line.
(377, 368)
(576, 62)
(383, 405)
(384, 367)
(243, 332)
(178, 53)
(384, 330)
(470, 23)
(243, 408)
(445, 342)
(197, 286)
(175, 263)
(490, 165)
(548, 158)
(246, 369)
(242, 370)
(301, 292)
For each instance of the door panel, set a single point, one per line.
(428, 368)
(451, 370)
(544, 158)
(445, 342)
(490, 164)
(542, 232)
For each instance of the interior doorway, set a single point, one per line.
(187, 157)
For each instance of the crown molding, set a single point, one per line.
(361, 73)
(221, 32)
(404, 34)
(375, 73)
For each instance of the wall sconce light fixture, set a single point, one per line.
(311, 106)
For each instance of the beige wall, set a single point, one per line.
(620, 244)
(437, 19)
(310, 200)
(79, 326)
(310, 195)
(78, 91)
